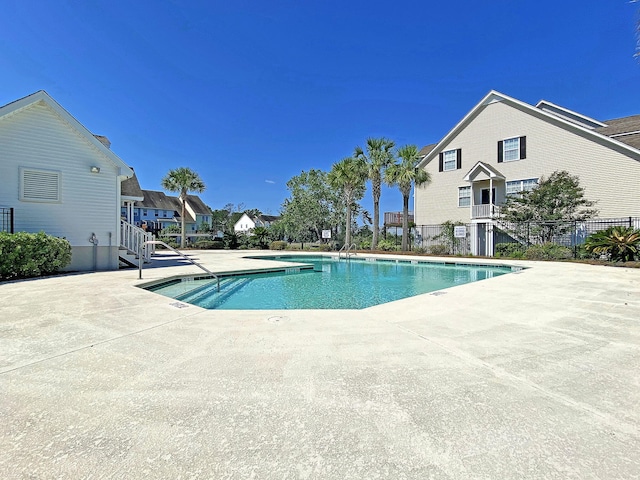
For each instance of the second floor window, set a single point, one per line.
(512, 149)
(450, 160)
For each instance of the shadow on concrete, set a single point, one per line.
(168, 259)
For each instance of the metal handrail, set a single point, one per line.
(158, 242)
(347, 249)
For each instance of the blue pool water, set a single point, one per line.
(331, 284)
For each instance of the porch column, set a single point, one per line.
(491, 197)
(130, 212)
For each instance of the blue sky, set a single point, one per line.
(250, 93)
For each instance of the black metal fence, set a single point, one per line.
(445, 240)
(442, 239)
(6, 219)
(566, 233)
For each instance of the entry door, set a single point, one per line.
(485, 196)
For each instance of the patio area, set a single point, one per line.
(530, 375)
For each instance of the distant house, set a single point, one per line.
(246, 223)
(504, 146)
(153, 210)
(61, 179)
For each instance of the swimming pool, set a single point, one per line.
(325, 282)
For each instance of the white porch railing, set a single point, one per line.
(132, 238)
(485, 211)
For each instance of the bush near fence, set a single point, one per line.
(24, 255)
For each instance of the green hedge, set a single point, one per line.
(277, 245)
(24, 255)
(548, 251)
(209, 244)
(511, 250)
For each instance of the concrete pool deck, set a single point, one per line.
(533, 375)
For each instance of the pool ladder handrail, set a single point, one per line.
(347, 251)
(159, 242)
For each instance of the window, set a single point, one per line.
(512, 149)
(144, 212)
(40, 185)
(519, 186)
(464, 196)
(450, 160)
(156, 212)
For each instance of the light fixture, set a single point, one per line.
(95, 169)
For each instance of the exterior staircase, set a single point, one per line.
(131, 239)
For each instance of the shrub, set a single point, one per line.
(511, 250)
(209, 244)
(171, 241)
(439, 250)
(621, 244)
(387, 246)
(24, 255)
(548, 251)
(277, 245)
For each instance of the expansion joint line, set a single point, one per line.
(94, 344)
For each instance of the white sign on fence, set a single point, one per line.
(460, 231)
(326, 233)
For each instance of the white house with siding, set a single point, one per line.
(246, 223)
(61, 179)
(503, 146)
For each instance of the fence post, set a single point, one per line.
(11, 220)
(630, 223)
(575, 239)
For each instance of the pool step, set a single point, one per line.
(228, 285)
(219, 298)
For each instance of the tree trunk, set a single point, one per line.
(347, 237)
(182, 239)
(375, 184)
(405, 222)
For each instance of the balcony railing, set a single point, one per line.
(485, 211)
(395, 218)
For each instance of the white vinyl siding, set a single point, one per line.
(518, 186)
(464, 196)
(40, 185)
(450, 159)
(606, 174)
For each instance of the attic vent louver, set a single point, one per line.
(40, 185)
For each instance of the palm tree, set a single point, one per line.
(404, 175)
(378, 157)
(349, 175)
(183, 180)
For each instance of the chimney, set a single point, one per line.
(104, 140)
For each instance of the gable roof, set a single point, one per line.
(198, 205)
(483, 167)
(158, 200)
(492, 97)
(268, 218)
(130, 188)
(625, 130)
(162, 201)
(43, 97)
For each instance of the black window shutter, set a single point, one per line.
(441, 162)
(459, 159)
(523, 147)
(500, 152)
